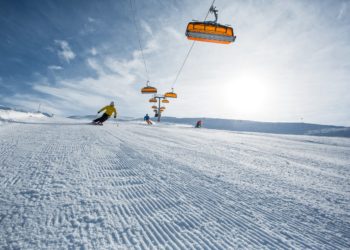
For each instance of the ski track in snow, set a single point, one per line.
(167, 187)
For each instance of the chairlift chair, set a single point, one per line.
(171, 94)
(153, 100)
(165, 101)
(148, 89)
(210, 31)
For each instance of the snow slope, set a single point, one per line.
(130, 186)
(293, 128)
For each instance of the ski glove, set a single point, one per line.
(115, 116)
(98, 112)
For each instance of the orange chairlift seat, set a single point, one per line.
(210, 31)
(162, 108)
(153, 100)
(171, 94)
(154, 107)
(148, 89)
(165, 101)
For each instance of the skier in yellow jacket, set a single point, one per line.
(109, 110)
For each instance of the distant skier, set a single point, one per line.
(109, 110)
(198, 124)
(147, 119)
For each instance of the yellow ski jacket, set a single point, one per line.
(109, 110)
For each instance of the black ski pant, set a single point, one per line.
(102, 119)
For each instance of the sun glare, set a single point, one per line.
(248, 96)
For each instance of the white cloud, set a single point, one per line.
(93, 64)
(93, 51)
(116, 80)
(91, 20)
(146, 27)
(87, 95)
(171, 32)
(54, 67)
(65, 52)
(30, 103)
(342, 11)
(126, 68)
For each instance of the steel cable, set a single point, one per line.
(139, 39)
(188, 53)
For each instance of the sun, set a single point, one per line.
(248, 96)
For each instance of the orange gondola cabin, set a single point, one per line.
(210, 31)
(153, 100)
(171, 94)
(148, 89)
(165, 101)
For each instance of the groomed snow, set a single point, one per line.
(132, 186)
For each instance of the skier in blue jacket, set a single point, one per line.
(147, 119)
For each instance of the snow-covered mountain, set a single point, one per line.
(265, 127)
(10, 114)
(9, 109)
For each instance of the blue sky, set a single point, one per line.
(291, 60)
